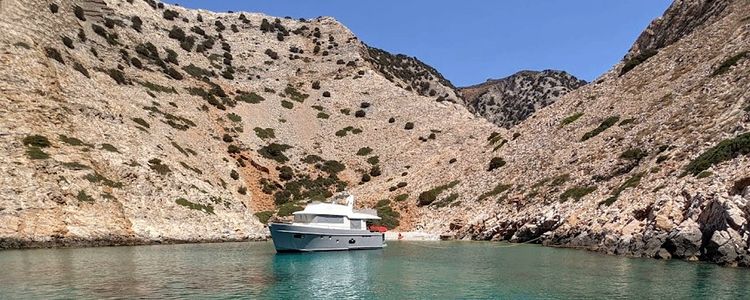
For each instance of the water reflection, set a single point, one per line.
(404, 270)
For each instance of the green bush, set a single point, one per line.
(295, 95)
(264, 133)
(36, 153)
(705, 174)
(272, 54)
(312, 158)
(275, 152)
(118, 76)
(375, 171)
(607, 123)
(287, 104)
(54, 54)
(360, 114)
(729, 62)
(251, 98)
(73, 141)
(364, 151)
(208, 208)
(570, 119)
(287, 209)
(68, 42)
(637, 60)
(322, 115)
(332, 167)
(633, 154)
(78, 11)
(499, 188)
(630, 183)
(576, 193)
(156, 165)
(198, 72)
(495, 162)
(83, 197)
(136, 23)
(109, 147)
(388, 217)
(446, 201)
(36, 141)
(170, 14)
(401, 197)
(53, 8)
(264, 216)
(373, 160)
(427, 197)
(99, 178)
(724, 151)
(234, 117)
(81, 69)
(409, 126)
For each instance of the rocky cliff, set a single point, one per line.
(129, 122)
(510, 100)
(650, 160)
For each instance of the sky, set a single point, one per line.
(470, 41)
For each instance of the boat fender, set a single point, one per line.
(352, 241)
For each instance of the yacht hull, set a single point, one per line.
(294, 238)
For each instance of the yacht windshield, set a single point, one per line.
(303, 218)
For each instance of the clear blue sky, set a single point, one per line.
(469, 41)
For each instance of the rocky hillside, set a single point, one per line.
(510, 100)
(129, 122)
(650, 160)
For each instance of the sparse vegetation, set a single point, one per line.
(110, 148)
(208, 208)
(287, 104)
(576, 193)
(637, 60)
(251, 98)
(401, 197)
(427, 197)
(36, 141)
(729, 62)
(322, 115)
(118, 76)
(607, 123)
(388, 217)
(364, 151)
(724, 151)
(83, 197)
(275, 152)
(78, 11)
(409, 126)
(264, 133)
(373, 160)
(295, 95)
(630, 183)
(54, 54)
(570, 119)
(99, 178)
(495, 163)
(634, 154)
(499, 188)
(264, 216)
(156, 165)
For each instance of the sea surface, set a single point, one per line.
(403, 270)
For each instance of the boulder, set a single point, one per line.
(685, 240)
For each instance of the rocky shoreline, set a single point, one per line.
(713, 229)
(114, 241)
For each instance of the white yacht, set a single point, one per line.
(326, 227)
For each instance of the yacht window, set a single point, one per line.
(301, 218)
(356, 224)
(328, 219)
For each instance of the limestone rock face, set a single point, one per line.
(508, 101)
(616, 159)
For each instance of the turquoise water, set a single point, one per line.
(404, 270)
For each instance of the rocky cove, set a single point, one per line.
(138, 122)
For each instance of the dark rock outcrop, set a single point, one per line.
(510, 100)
